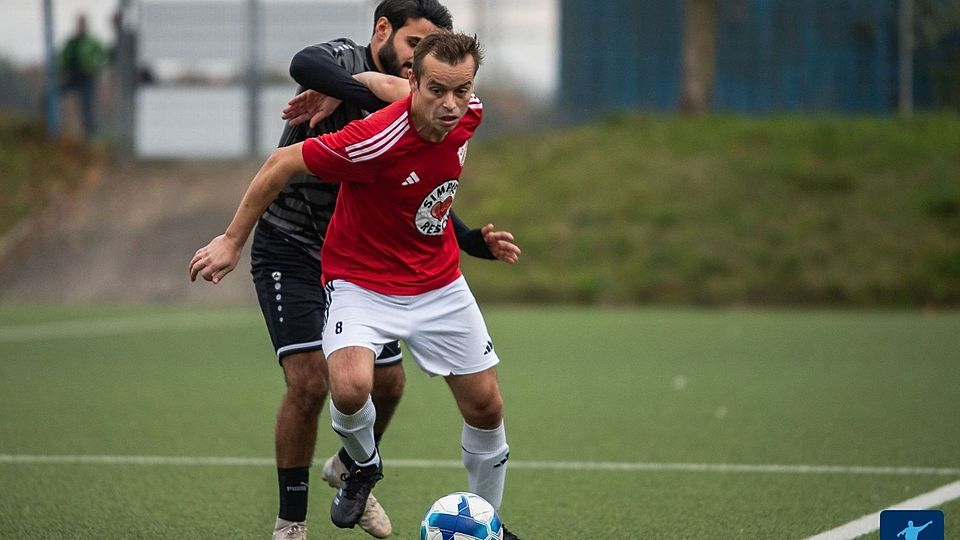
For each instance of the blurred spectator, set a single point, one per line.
(81, 61)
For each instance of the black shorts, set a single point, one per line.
(291, 297)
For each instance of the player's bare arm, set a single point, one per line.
(315, 106)
(218, 258)
(386, 87)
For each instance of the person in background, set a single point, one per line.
(81, 62)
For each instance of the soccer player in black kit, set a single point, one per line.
(285, 254)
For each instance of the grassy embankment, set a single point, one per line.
(718, 210)
(723, 210)
(34, 169)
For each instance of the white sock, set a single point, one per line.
(356, 432)
(485, 454)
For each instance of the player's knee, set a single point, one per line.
(310, 393)
(484, 413)
(306, 379)
(388, 387)
(350, 395)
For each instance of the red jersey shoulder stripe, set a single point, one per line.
(327, 148)
(381, 141)
(379, 135)
(383, 146)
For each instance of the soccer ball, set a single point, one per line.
(461, 516)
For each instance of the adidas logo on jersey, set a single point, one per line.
(412, 178)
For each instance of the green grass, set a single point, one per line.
(725, 210)
(623, 386)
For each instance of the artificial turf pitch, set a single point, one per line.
(158, 423)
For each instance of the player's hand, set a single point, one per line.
(309, 105)
(500, 244)
(215, 260)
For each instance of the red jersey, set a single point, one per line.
(389, 229)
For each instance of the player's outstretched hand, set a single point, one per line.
(215, 260)
(500, 244)
(309, 105)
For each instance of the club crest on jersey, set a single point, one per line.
(462, 153)
(431, 218)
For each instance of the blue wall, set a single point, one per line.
(619, 54)
(772, 56)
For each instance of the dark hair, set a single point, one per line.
(398, 12)
(448, 47)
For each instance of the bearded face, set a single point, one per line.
(389, 59)
(395, 54)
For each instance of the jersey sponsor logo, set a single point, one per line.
(439, 211)
(462, 153)
(412, 178)
(431, 218)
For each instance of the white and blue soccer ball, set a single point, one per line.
(461, 516)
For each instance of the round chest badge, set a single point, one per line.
(431, 218)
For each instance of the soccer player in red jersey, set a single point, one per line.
(391, 264)
(285, 253)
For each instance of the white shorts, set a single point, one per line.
(442, 329)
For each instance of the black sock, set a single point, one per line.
(345, 457)
(293, 493)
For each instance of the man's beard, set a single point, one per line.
(388, 58)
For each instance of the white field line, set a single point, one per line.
(514, 464)
(869, 523)
(122, 325)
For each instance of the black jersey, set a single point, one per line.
(302, 210)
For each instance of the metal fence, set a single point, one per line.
(219, 68)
